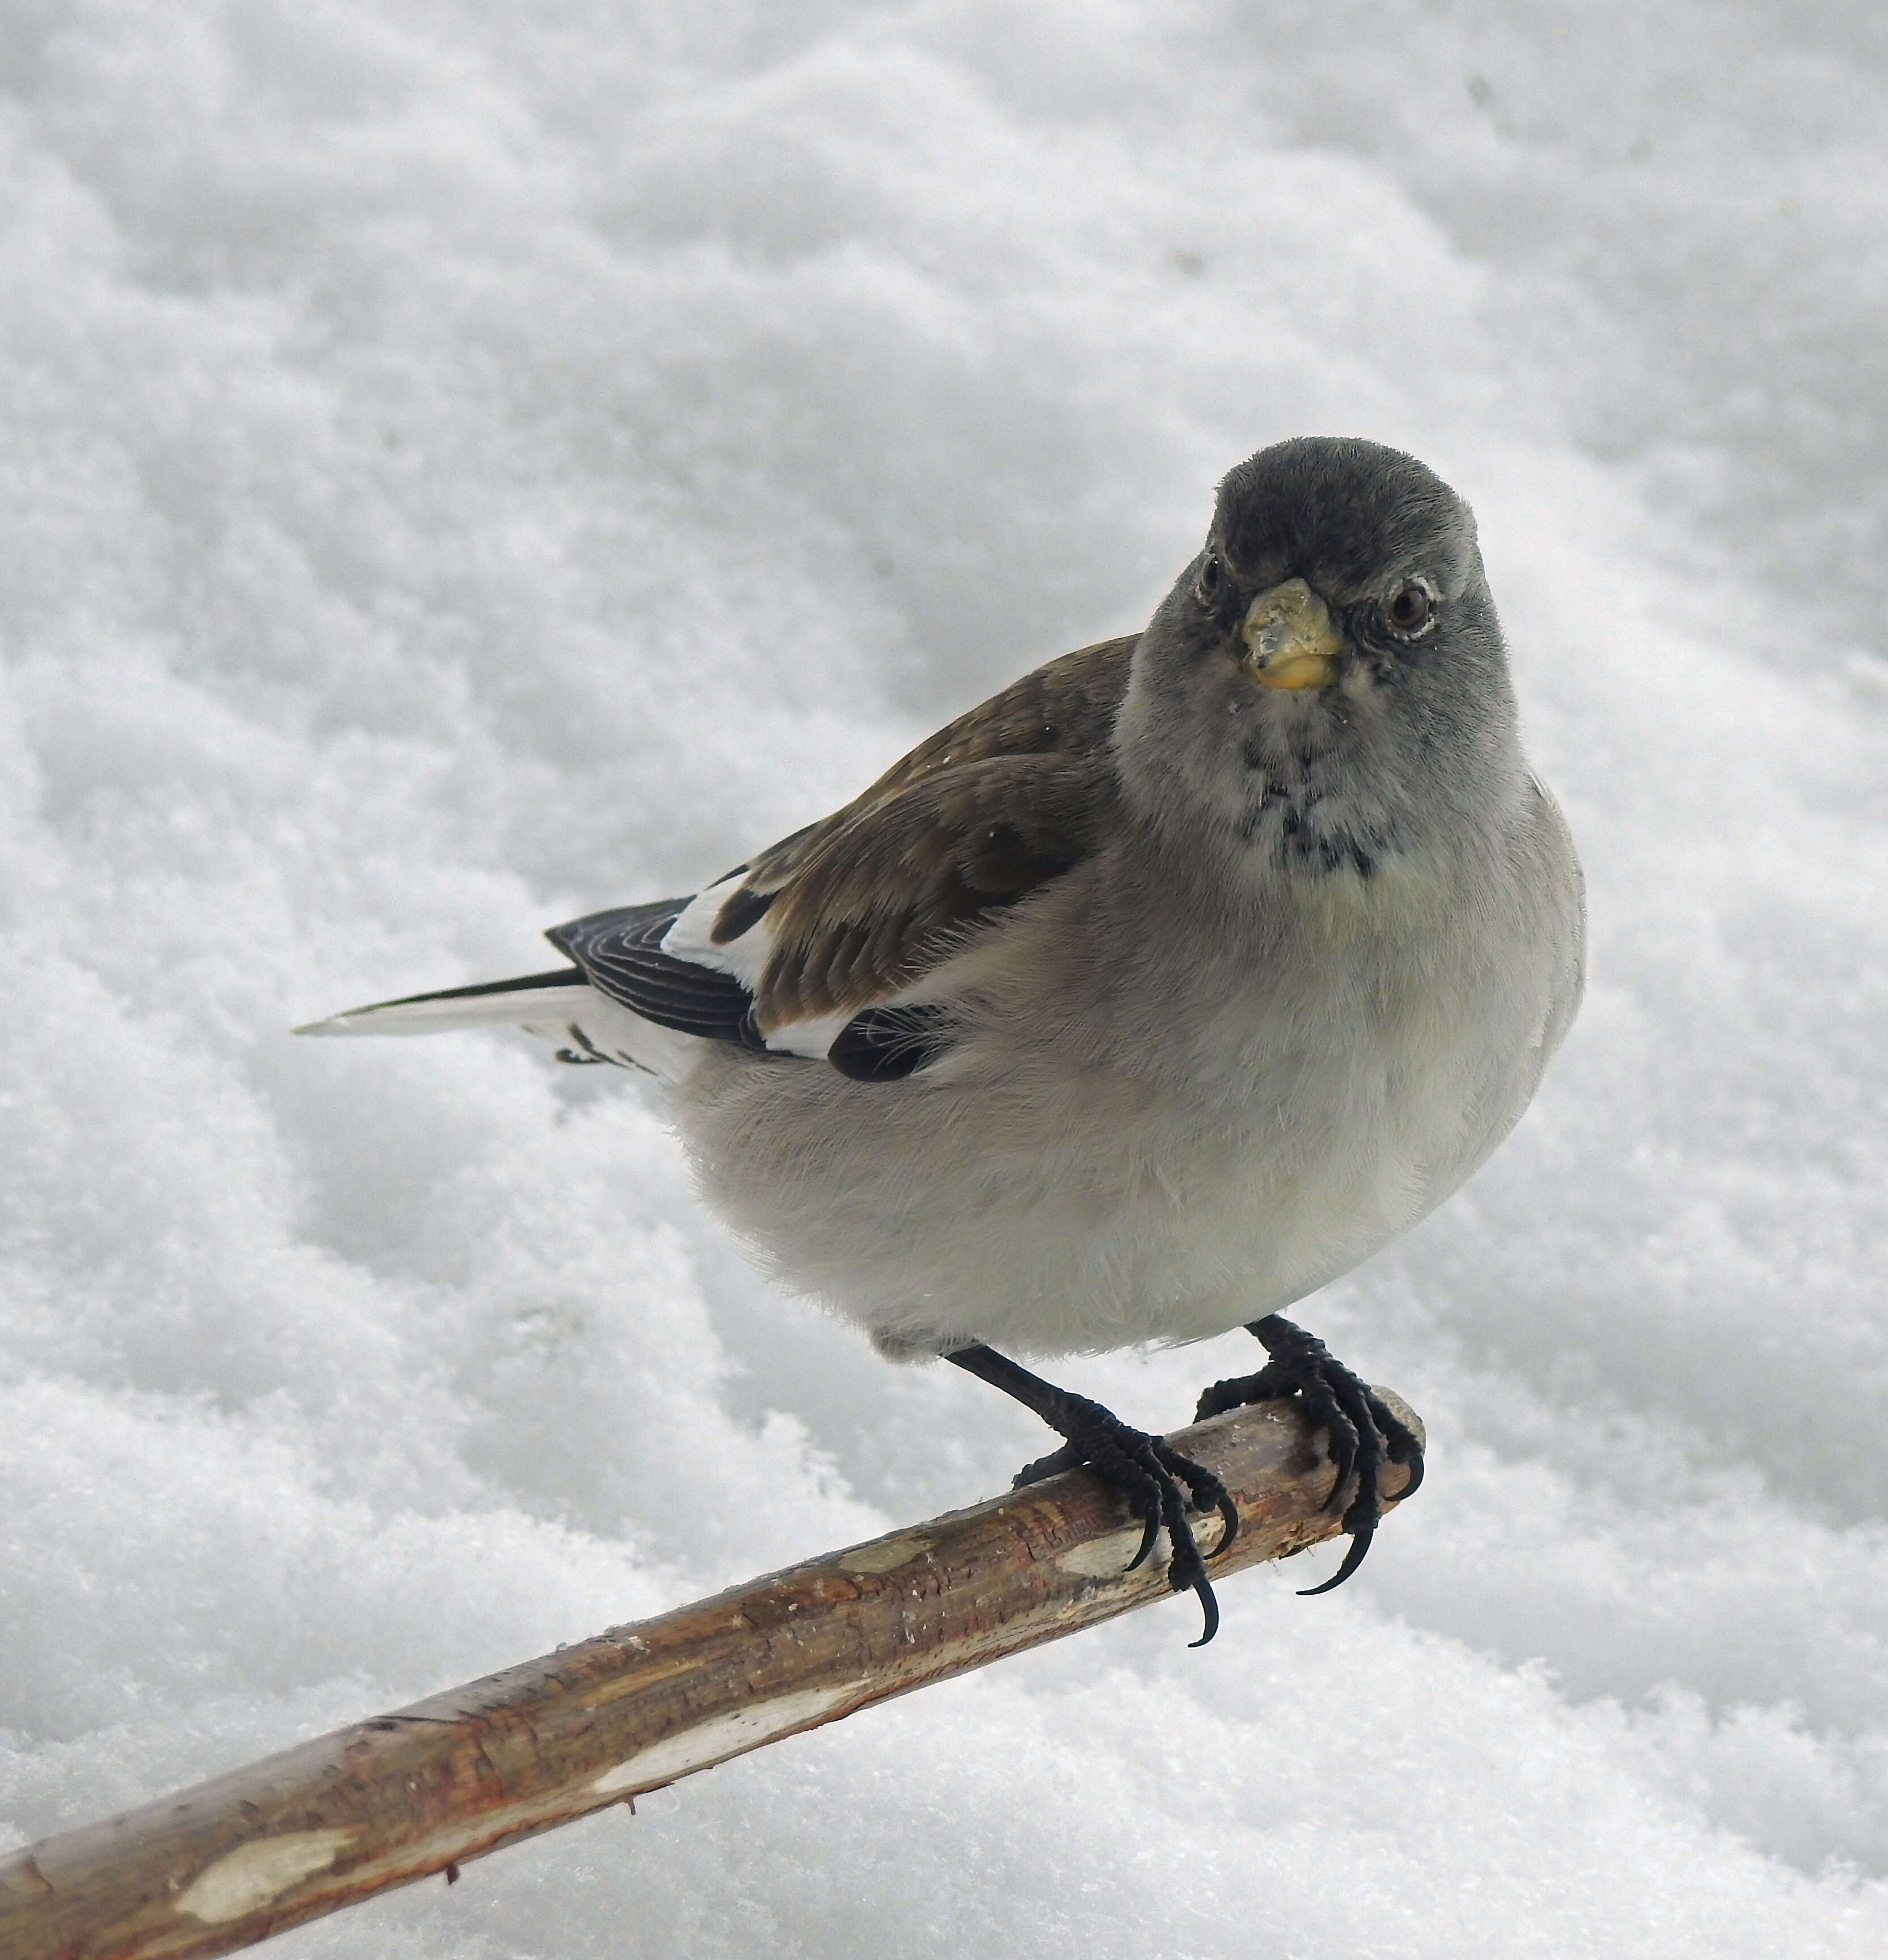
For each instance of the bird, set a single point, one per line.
(1166, 986)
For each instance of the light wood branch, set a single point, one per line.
(429, 1787)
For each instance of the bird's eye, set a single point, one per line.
(1211, 579)
(1410, 608)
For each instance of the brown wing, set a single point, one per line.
(1006, 797)
(1067, 708)
(890, 892)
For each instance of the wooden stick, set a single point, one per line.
(428, 1788)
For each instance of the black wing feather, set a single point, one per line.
(619, 953)
(887, 1044)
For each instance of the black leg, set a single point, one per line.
(1140, 1467)
(1363, 1434)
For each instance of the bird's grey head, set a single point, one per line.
(1325, 683)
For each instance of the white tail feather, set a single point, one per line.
(432, 1014)
(576, 1017)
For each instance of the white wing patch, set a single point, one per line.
(746, 958)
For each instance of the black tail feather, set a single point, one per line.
(564, 976)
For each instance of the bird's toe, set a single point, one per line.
(1362, 1434)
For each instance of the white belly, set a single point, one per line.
(1258, 1142)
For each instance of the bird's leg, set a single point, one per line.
(1363, 1434)
(1141, 1467)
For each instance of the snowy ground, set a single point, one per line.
(461, 465)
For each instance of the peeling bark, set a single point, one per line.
(429, 1788)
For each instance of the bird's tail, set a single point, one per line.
(530, 1000)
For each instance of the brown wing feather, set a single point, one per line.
(892, 890)
(1007, 797)
(1067, 708)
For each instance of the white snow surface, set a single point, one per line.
(461, 465)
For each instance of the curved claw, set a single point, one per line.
(1208, 1494)
(1400, 1445)
(1341, 1435)
(1150, 1531)
(1140, 1468)
(1360, 1544)
(1229, 1516)
(1361, 1433)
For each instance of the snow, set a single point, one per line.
(464, 464)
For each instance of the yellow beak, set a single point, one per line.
(1290, 639)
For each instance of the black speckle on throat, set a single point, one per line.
(1297, 828)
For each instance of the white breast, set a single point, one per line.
(1220, 1137)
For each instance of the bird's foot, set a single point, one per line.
(1141, 1467)
(1149, 1475)
(1363, 1433)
